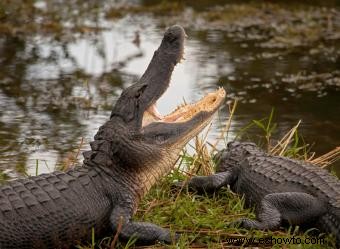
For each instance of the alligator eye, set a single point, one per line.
(140, 91)
(160, 139)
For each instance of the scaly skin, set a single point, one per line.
(52, 209)
(129, 154)
(280, 188)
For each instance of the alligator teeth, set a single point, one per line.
(185, 111)
(154, 112)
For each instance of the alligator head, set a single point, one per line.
(232, 156)
(139, 142)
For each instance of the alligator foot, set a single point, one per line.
(143, 232)
(284, 206)
(209, 183)
(147, 233)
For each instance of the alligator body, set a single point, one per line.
(129, 154)
(281, 189)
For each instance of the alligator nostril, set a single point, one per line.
(172, 38)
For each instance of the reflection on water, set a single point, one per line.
(53, 93)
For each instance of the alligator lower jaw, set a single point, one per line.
(185, 112)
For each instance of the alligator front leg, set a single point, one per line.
(209, 183)
(144, 232)
(285, 206)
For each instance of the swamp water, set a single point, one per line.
(54, 94)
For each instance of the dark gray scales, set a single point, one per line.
(41, 211)
(281, 189)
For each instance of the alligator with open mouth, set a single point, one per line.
(281, 189)
(129, 154)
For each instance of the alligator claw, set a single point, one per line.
(239, 223)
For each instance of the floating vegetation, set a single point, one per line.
(167, 8)
(313, 81)
(271, 25)
(20, 18)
